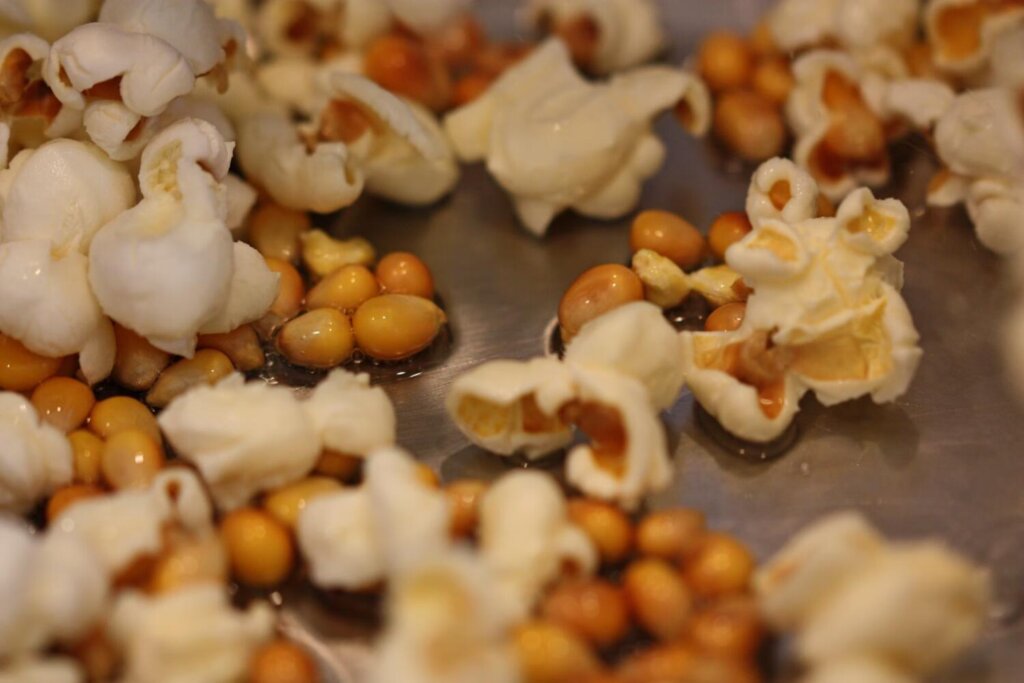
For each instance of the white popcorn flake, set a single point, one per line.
(54, 588)
(513, 407)
(969, 36)
(404, 155)
(351, 416)
(125, 526)
(526, 538)
(355, 539)
(855, 25)
(35, 457)
(862, 608)
(556, 142)
(243, 438)
(980, 139)
(629, 32)
(825, 316)
(321, 177)
(192, 635)
(634, 340)
(445, 627)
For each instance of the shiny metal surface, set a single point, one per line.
(945, 460)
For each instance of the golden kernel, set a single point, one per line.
(345, 289)
(88, 453)
(669, 235)
(119, 413)
(63, 402)
(397, 326)
(594, 293)
(321, 338)
(131, 460)
(137, 363)
(403, 273)
(206, 367)
(21, 369)
(260, 549)
(288, 502)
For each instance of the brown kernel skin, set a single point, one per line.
(722, 566)
(669, 235)
(749, 125)
(670, 535)
(241, 345)
(594, 609)
(607, 527)
(658, 597)
(727, 230)
(402, 65)
(66, 496)
(725, 61)
(63, 402)
(207, 366)
(551, 654)
(396, 326)
(341, 466)
(403, 273)
(727, 318)
(669, 662)
(260, 549)
(595, 292)
(21, 369)
(138, 363)
(281, 661)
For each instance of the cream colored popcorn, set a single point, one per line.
(635, 340)
(357, 538)
(980, 139)
(167, 268)
(513, 407)
(129, 525)
(192, 635)
(318, 176)
(403, 152)
(667, 285)
(825, 316)
(49, 19)
(628, 32)
(526, 539)
(444, 626)
(555, 141)
(35, 457)
(853, 24)
(243, 438)
(351, 416)
(55, 199)
(974, 39)
(46, 670)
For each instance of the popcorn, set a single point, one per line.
(128, 525)
(825, 316)
(509, 407)
(49, 670)
(243, 438)
(55, 200)
(853, 597)
(635, 340)
(47, 18)
(975, 39)
(351, 417)
(393, 524)
(981, 141)
(35, 457)
(403, 152)
(526, 538)
(54, 590)
(854, 24)
(192, 634)
(138, 258)
(445, 627)
(322, 177)
(555, 142)
(628, 32)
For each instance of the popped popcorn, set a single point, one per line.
(597, 156)
(526, 538)
(192, 634)
(351, 417)
(35, 457)
(825, 316)
(627, 32)
(851, 595)
(243, 438)
(355, 539)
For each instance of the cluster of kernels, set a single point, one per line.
(441, 71)
(665, 580)
(665, 247)
(386, 311)
(751, 81)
